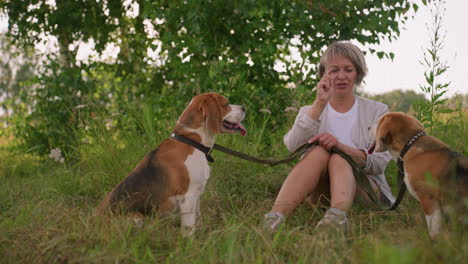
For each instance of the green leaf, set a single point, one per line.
(446, 110)
(380, 54)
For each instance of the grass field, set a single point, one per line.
(45, 209)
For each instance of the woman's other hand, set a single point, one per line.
(326, 141)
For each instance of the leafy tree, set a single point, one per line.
(15, 69)
(231, 47)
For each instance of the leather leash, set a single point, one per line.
(359, 174)
(270, 162)
(358, 171)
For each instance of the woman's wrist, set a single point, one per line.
(358, 154)
(316, 110)
(320, 104)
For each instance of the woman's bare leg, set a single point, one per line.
(320, 197)
(301, 181)
(342, 183)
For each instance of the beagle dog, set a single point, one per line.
(173, 176)
(435, 175)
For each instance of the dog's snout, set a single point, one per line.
(243, 108)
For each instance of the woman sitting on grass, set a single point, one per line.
(337, 118)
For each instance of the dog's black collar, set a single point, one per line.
(401, 169)
(194, 144)
(407, 146)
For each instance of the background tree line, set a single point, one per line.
(167, 51)
(399, 100)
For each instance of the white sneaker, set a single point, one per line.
(334, 217)
(273, 220)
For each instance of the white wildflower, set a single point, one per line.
(291, 85)
(182, 31)
(290, 109)
(56, 154)
(265, 110)
(109, 125)
(80, 106)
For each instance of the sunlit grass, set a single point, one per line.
(46, 208)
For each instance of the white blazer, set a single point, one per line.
(369, 111)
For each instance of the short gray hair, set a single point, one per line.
(349, 51)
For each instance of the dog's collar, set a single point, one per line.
(194, 144)
(407, 146)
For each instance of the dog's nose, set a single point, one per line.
(243, 108)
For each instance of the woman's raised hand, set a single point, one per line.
(325, 89)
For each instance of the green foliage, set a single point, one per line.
(48, 206)
(15, 69)
(435, 69)
(398, 100)
(230, 47)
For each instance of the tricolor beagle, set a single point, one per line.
(173, 176)
(435, 175)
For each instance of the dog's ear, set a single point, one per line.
(212, 115)
(383, 135)
(386, 138)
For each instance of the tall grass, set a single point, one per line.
(434, 88)
(46, 206)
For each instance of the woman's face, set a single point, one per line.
(343, 75)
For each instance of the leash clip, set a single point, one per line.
(208, 155)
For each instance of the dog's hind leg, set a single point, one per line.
(433, 213)
(434, 222)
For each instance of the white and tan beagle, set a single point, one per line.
(435, 175)
(173, 176)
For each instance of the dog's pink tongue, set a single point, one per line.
(371, 149)
(242, 129)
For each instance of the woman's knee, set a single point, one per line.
(337, 160)
(315, 159)
(338, 164)
(317, 152)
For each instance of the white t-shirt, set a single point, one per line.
(340, 124)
